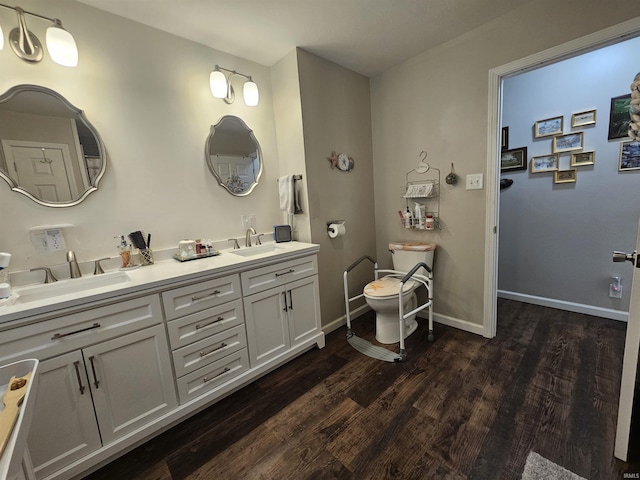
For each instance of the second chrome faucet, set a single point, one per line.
(74, 270)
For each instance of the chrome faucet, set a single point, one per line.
(49, 277)
(74, 270)
(247, 239)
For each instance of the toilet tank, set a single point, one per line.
(407, 254)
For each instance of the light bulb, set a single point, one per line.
(250, 93)
(61, 46)
(218, 84)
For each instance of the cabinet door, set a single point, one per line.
(64, 426)
(304, 308)
(267, 325)
(131, 381)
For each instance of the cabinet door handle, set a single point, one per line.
(61, 335)
(93, 369)
(77, 367)
(204, 354)
(290, 300)
(219, 319)
(208, 379)
(284, 296)
(195, 298)
(291, 270)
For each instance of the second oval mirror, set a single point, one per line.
(233, 155)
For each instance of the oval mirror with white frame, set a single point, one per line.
(233, 155)
(48, 149)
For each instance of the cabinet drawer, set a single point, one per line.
(213, 375)
(200, 296)
(261, 279)
(60, 335)
(190, 358)
(200, 325)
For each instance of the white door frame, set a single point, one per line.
(602, 38)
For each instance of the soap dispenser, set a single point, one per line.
(125, 252)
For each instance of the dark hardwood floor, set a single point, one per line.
(461, 407)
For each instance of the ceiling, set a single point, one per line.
(366, 36)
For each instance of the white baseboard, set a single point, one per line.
(564, 305)
(443, 319)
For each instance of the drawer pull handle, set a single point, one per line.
(93, 369)
(291, 270)
(208, 379)
(219, 319)
(204, 354)
(195, 298)
(77, 366)
(61, 335)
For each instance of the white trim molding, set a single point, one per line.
(564, 305)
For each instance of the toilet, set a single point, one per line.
(382, 294)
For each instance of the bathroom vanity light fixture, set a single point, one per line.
(60, 43)
(221, 86)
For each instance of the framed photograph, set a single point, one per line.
(583, 118)
(505, 138)
(619, 117)
(548, 127)
(565, 176)
(583, 158)
(568, 142)
(544, 163)
(629, 156)
(514, 159)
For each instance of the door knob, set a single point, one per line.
(623, 257)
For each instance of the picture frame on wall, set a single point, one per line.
(548, 127)
(582, 119)
(629, 156)
(504, 138)
(619, 117)
(582, 158)
(568, 142)
(565, 176)
(513, 159)
(544, 163)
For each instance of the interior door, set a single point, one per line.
(630, 362)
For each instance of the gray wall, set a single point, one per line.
(556, 239)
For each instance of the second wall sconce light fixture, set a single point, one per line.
(221, 86)
(60, 43)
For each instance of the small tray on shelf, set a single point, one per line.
(197, 256)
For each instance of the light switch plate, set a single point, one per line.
(475, 181)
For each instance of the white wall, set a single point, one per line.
(437, 101)
(147, 94)
(556, 240)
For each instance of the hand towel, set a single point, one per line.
(286, 186)
(289, 190)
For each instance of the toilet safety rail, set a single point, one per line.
(426, 280)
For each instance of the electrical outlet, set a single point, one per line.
(55, 240)
(248, 221)
(474, 181)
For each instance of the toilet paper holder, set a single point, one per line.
(333, 222)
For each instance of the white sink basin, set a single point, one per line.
(46, 291)
(259, 250)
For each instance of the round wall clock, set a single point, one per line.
(345, 163)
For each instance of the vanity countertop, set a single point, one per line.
(161, 275)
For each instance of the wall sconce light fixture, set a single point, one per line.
(221, 86)
(60, 43)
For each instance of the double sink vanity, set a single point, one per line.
(127, 354)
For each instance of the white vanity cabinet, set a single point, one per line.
(284, 311)
(207, 334)
(104, 373)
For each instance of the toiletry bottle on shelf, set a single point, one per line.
(430, 223)
(407, 218)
